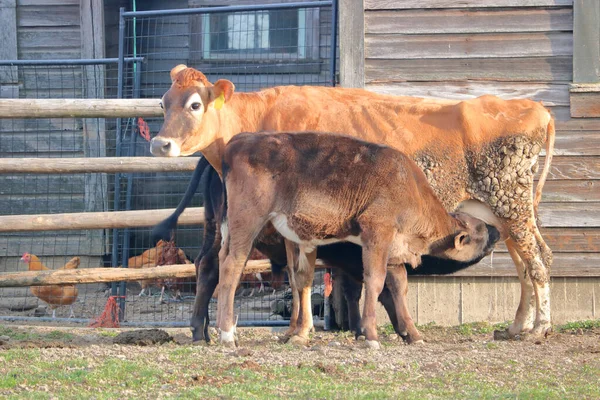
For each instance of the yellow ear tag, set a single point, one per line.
(220, 101)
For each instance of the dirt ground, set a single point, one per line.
(463, 361)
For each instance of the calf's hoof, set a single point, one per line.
(372, 344)
(297, 340)
(227, 338)
(542, 330)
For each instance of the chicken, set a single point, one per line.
(53, 295)
(165, 253)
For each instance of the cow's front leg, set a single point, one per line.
(352, 291)
(206, 283)
(376, 246)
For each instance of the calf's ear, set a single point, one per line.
(177, 69)
(461, 240)
(221, 92)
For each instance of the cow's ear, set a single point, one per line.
(221, 92)
(177, 70)
(461, 240)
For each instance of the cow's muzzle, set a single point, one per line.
(161, 147)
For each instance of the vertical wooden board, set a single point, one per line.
(8, 40)
(351, 36)
(439, 300)
(586, 41)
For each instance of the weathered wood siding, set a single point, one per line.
(513, 49)
(50, 29)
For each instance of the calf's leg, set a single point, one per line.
(207, 280)
(396, 283)
(375, 256)
(303, 277)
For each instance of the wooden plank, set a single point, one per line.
(96, 165)
(573, 215)
(571, 191)
(564, 265)
(577, 143)
(564, 121)
(567, 240)
(549, 93)
(22, 143)
(96, 220)
(586, 39)
(469, 45)
(94, 129)
(440, 21)
(352, 51)
(409, 4)
(80, 108)
(574, 167)
(8, 38)
(37, 16)
(65, 37)
(585, 105)
(538, 69)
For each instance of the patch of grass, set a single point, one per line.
(31, 334)
(478, 328)
(573, 326)
(108, 333)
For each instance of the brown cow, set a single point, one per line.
(484, 149)
(318, 189)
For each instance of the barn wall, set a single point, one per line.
(513, 49)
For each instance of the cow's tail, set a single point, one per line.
(550, 136)
(165, 228)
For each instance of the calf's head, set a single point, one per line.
(471, 240)
(190, 107)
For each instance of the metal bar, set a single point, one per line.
(117, 185)
(131, 153)
(333, 60)
(213, 10)
(61, 62)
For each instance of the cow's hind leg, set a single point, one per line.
(232, 259)
(525, 317)
(525, 237)
(303, 278)
(291, 250)
(352, 291)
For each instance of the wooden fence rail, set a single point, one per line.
(99, 275)
(96, 220)
(96, 165)
(79, 108)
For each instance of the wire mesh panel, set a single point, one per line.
(255, 47)
(55, 193)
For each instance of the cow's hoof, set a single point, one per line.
(372, 344)
(417, 342)
(361, 338)
(504, 335)
(541, 330)
(298, 340)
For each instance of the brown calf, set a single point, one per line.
(482, 149)
(318, 189)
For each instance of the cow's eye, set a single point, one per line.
(161, 106)
(195, 106)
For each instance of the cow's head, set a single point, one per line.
(191, 108)
(471, 240)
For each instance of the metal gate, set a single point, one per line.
(255, 47)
